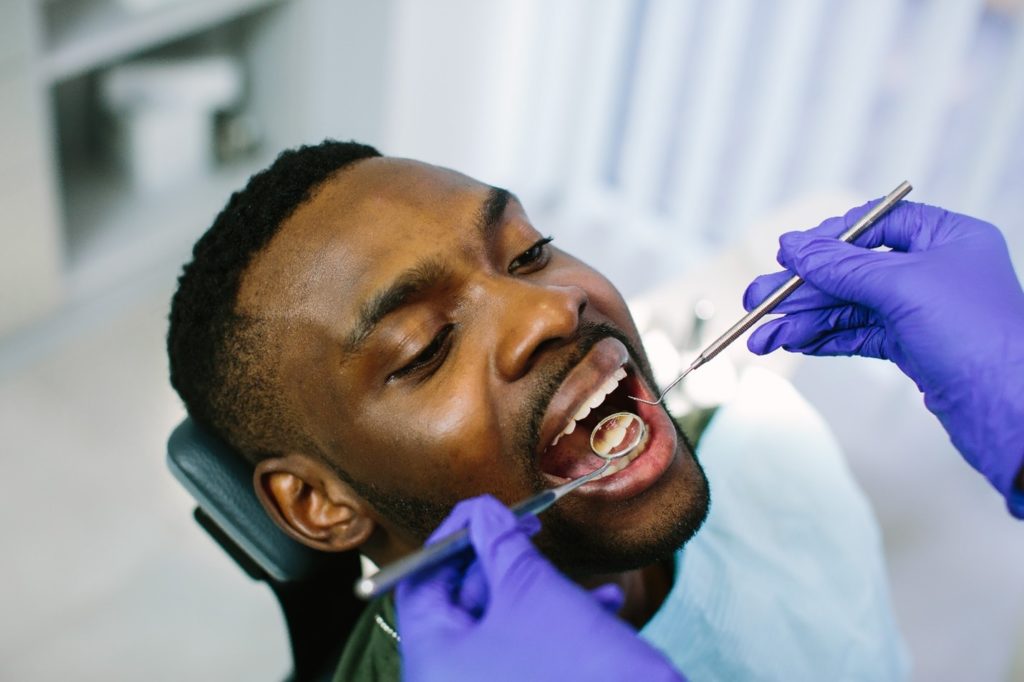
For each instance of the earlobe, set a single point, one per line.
(311, 505)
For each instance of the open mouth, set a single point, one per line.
(569, 454)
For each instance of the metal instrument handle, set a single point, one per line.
(437, 552)
(794, 282)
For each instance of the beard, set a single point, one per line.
(579, 549)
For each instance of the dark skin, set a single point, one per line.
(429, 401)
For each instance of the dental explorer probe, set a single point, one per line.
(783, 292)
(371, 586)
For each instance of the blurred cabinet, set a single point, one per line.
(74, 224)
(30, 248)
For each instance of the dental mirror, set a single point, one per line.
(614, 437)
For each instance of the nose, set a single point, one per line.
(536, 318)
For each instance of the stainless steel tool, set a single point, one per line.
(433, 554)
(780, 294)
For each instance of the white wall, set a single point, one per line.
(689, 121)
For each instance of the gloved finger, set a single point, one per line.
(805, 298)
(762, 340)
(900, 228)
(490, 523)
(805, 327)
(761, 287)
(905, 227)
(473, 593)
(609, 596)
(806, 336)
(449, 574)
(461, 513)
(456, 587)
(845, 271)
(529, 524)
(430, 597)
(868, 342)
(450, 585)
(505, 552)
(772, 335)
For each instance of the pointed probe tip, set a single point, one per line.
(696, 363)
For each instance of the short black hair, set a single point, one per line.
(222, 362)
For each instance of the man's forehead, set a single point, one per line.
(358, 224)
(386, 182)
(385, 194)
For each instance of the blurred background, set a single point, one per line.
(668, 142)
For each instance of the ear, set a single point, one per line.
(310, 503)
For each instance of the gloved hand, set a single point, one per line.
(508, 614)
(944, 305)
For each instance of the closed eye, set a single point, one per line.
(428, 360)
(534, 258)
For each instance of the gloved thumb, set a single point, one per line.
(609, 596)
(504, 551)
(432, 594)
(845, 271)
(474, 592)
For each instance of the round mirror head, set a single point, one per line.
(616, 435)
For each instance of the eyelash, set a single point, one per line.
(524, 260)
(429, 359)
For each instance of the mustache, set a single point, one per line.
(587, 336)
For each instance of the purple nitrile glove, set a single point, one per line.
(944, 304)
(508, 614)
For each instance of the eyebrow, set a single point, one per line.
(492, 209)
(422, 277)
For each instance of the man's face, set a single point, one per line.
(436, 346)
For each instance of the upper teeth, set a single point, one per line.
(595, 399)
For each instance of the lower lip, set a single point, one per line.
(649, 465)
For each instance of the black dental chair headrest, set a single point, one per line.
(221, 481)
(313, 588)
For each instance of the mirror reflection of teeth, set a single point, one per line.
(621, 463)
(595, 399)
(610, 434)
(617, 434)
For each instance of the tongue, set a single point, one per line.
(571, 457)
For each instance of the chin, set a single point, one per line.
(649, 529)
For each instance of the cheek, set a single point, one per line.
(607, 300)
(443, 438)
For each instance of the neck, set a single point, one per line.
(644, 589)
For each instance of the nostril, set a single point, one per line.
(542, 348)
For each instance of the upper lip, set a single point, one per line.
(596, 367)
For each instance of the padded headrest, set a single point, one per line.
(221, 481)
